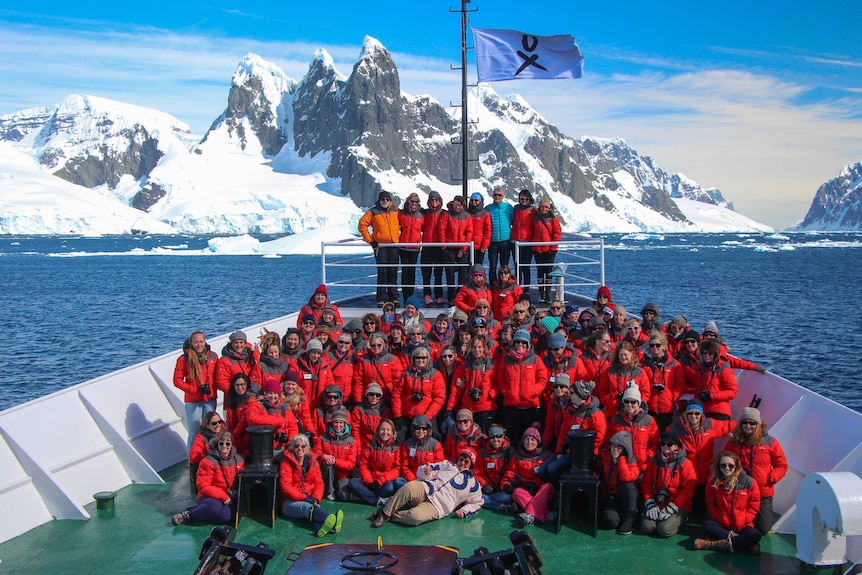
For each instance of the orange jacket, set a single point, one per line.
(385, 228)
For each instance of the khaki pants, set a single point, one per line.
(410, 506)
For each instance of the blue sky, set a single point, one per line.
(760, 99)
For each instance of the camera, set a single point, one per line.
(661, 496)
(417, 397)
(658, 387)
(281, 437)
(475, 393)
(205, 389)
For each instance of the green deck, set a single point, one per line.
(137, 537)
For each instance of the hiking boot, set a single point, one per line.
(508, 508)
(439, 301)
(327, 526)
(626, 525)
(429, 300)
(722, 545)
(379, 520)
(525, 519)
(339, 519)
(180, 518)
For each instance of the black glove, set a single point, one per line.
(659, 387)
(487, 489)
(704, 395)
(205, 388)
(760, 369)
(281, 437)
(374, 245)
(508, 489)
(475, 393)
(531, 488)
(620, 396)
(373, 486)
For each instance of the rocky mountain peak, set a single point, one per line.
(837, 204)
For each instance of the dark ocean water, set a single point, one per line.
(76, 308)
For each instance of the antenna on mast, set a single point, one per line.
(465, 139)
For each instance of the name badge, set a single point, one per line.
(552, 379)
(412, 452)
(306, 376)
(490, 465)
(576, 426)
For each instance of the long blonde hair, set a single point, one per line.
(717, 477)
(194, 360)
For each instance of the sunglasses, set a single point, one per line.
(369, 323)
(748, 423)
(483, 307)
(556, 307)
(447, 357)
(633, 328)
(376, 345)
(372, 394)
(631, 402)
(560, 386)
(695, 413)
(224, 443)
(499, 436)
(422, 428)
(727, 465)
(505, 273)
(422, 357)
(690, 342)
(555, 348)
(667, 444)
(463, 421)
(707, 352)
(344, 343)
(655, 345)
(520, 311)
(458, 320)
(332, 396)
(216, 422)
(300, 446)
(498, 195)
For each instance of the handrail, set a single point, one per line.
(350, 263)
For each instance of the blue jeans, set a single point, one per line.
(554, 467)
(495, 500)
(370, 497)
(302, 510)
(194, 414)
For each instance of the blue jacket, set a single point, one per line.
(501, 221)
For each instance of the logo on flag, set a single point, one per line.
(512, 55)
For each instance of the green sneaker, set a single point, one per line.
(327, 526)
(339, 518)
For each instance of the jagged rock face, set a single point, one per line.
(837, 205)
(107, 166)
(148, 196)
(248, 101)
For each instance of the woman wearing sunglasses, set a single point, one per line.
(666, 380)
(733, 499)
(217, 478)
(668, 487)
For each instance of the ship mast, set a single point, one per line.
(465, 180)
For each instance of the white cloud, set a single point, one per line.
(744, 132)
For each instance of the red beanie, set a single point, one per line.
(604, 290)
(322, 289)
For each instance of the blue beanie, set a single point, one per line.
(414, 301)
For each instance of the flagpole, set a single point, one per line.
(465, 180)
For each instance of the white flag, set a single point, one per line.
(513, 55)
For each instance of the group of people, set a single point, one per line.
(399, 234)
(415, 417)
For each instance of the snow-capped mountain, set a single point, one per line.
(288, 155)
(837, 205)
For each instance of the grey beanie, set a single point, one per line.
(314, 345)
(238, 334)
(750, 414)
(583, 388)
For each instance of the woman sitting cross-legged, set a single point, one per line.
(217, 479)
(379, 467)
(524, 484)
(733, 499)
(301, 486)
(668, 487)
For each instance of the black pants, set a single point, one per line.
(748, 537)
(764, 519)
(408, 271)
(544, 265)
(386, 274)
(498, 255)
(517, 420)
(623, 505)
(455, 271)
(432, 264)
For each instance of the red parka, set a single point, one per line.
(614, 382)
(764, 462)
(456, 228)
(735, 509)
(522, 223)
(384, 368)
(522, 467)
(380, 462)
(415, 454)
(218, 476)
(365, 420)
(473, 374)
(667, 382)
(455, 442)
(521, 382)
(612, 474)
(184, 381)
(721, 384)
(676, 475)
(586, 416)
(428, 383)
(700, 445)
(262, 412)
(504, 297)
(314, 377)
(491, 463)
(545, 228)
(643, 430)
(343, 448)
(296, 482)
(232, 363)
